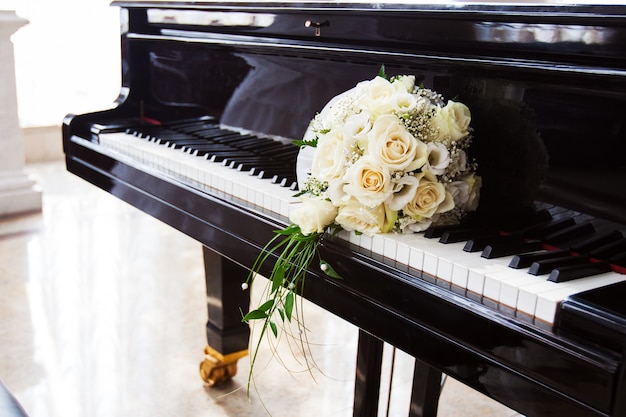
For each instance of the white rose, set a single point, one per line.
(403, 102)
(404, 83)
(465, 191)
(430, 198)
(459, 190)
(329, 158)
(475, 183)
(368, 181)
(438, 158)
(418, 226)
(313, 215)
(355, 130)
(390, 143)
(452, 121)
(335, 192)
(354, 217)
(404, 191)
(377, 96)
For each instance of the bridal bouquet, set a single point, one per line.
(387, 156)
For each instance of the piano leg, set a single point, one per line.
(426, 390)
(369, 360)
(227, 336)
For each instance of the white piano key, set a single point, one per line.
(487, 280)
(366, 242)
(403, 253)
(378, 244)
(493, 284)
(509, 290)
(548, 302)
(185, 165)
(390, 248)
(430, 263)
(416, 258)
(354, 238)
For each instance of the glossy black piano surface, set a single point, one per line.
(547, 88)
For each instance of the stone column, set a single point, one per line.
(18, 192)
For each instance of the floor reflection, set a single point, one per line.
(103, 313)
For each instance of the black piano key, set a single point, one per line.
(544, 266)
(221, 156)
(214, 134)
(251, 167)
(619, 261)
(501, 249)
(434, 232)
(246, 161)
(465, 233)
(525, 219)
(526, 259)
(570, 233)
(207, 149)
(277, 151)
(286, 180)
(572, 272)
(596, 241)
(192, 128)
(609, 250)
(542, 230)
(479, 243)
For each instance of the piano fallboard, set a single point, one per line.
(547, 88)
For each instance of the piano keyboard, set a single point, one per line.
(210, 163)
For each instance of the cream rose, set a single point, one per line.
(392, 145)
(313, 215)
(430, 198)
(329, 158)
(368, 181)
(452, 121)
(354, 217)
(377, 97)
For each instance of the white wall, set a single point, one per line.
(67, 58)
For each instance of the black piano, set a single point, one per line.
(213, 94)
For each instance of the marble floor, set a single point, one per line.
(103, 313)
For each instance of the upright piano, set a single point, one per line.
(201, 138)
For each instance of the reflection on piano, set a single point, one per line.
(523, 301)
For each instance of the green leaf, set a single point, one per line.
(312, 143)
(278, 276)
(329, 270)
(254, 315)
(289, 301)
(381, 72)
(274, 328)
(289, 230)
(281, 312)
(266, 305)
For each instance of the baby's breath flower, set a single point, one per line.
(314, 186)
